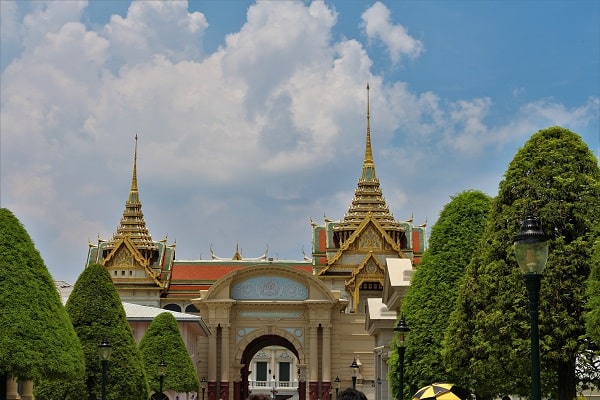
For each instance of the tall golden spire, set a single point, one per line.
(368, 161)
(134, 186)
(368, 198)
(132, 224)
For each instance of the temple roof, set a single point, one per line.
(133, 224)
(368, 197)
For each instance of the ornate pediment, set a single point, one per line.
(368, 237)
(370, 270)
(125, 255)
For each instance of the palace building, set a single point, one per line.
(289, 328)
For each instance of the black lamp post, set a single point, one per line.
(403, 331)
(104, 348)
(354, 366)
(531, 251)
(336, 385)
(203, 385)
(162, 371)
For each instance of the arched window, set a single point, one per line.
(191, 308)
(173, 307)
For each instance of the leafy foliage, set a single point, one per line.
(37, 340)
(434, 287)
(557, 178)
(97, 312)
(163, 342)
(593, 291)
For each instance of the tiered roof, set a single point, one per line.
(368, 197)
(133, 224)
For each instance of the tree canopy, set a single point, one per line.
(556, 178)
(593, 290)
(434, 286)
(37, 340)
(163, 342)
(97, 312)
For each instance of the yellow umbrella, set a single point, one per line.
(441, 391)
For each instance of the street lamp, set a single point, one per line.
(273, 389)
(162, 371)
(354, 366)
(336, 385)
(104, 349)
(203, 385)
(531, 251)
(403, 331)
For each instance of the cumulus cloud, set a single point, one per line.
(156, 28)
(394, 37)
(258, 135)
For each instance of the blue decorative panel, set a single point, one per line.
(243, 332)
(269, 288)
(299, 333)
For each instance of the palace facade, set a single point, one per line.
(289, 328)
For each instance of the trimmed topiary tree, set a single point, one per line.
(556, 177)
(37, 340)
(163, 342)
(434, 288)
(96, 311)
(593, 290)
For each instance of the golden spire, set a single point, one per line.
(368, 149)
(134, 187)
(368, 172)
(368, 198)
(132, 224)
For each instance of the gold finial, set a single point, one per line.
(134, 187)
(368, 149)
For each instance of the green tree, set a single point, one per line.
(97, 312)
(37, 340)
(163, 342)
(434, 286)
(593, 290)
(487, 347)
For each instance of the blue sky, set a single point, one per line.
(251, 116)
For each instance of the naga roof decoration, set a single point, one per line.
(368, 198)
(238, 255)
(133, 224)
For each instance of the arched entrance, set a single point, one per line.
(259, 343)
(266, 305)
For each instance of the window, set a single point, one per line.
(191, 308)
(261, 371)
(172, 307)
(284, 371)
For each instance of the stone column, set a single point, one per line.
(326, 364)
(313, 364)
(212, 363)
(27, 390)
(12, 389)
(225, 361)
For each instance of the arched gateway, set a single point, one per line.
(266, 305)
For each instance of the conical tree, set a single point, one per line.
(556, 177)
(163, 342)
(97, 313)
(593, 288)
(434, 287)
(37, 340)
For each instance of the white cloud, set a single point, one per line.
(48, 17)
(156, 27)
(230, 142)
(377, 25)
